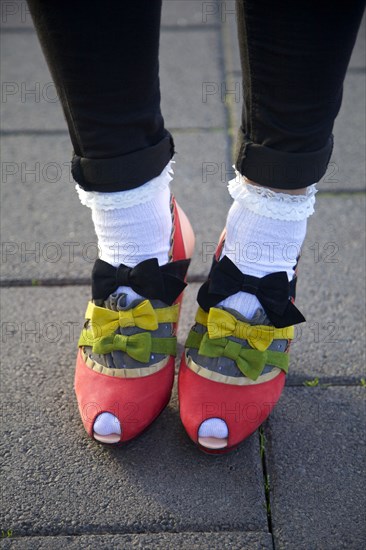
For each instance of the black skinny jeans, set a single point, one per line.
(103, 56)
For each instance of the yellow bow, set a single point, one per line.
(105, 321)
(221, 324)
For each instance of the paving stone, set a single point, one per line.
(316, 461)
(58, 481)
(331, 293)
(347, 167)
(41, 210)
(15, 15)
(188, 12)
(358, 58)
(163, 541)
(29, 99)
(190, 78)
(230, 34)
(200, 186)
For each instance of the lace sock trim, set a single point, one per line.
(268, 203)
(125, 199)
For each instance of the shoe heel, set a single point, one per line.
(187, 232)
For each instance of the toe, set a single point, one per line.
(107, 428)
(213, 434)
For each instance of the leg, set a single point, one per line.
(294, 58)
(104, 59)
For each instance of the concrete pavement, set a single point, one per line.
(297, 485)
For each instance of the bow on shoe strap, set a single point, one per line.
(103, 322)
(272, 291)
(138, 346)
(250, 362)
(147, 278)
(221, 324)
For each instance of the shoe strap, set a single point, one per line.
(137, 346)
(250, 362)
(221, 324)
(273, 291)
(103, 321)
(147, 278)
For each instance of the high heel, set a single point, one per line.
(125, 362)
(233, 370)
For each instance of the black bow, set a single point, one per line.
(273, 292)
(148, 279)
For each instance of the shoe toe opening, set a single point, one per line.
(213, 433)
(107, 428)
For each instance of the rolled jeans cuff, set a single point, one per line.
(281, 169)
(124, 172)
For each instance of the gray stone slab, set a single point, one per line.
(316, 461)
(58, 481)
(41, 208)
(358, 58)
(230, 33)
(15, 15)
(29, 98)
(347, 167)
(190, 78)
(201, 173)
(331, 294)
(163, 541)
(41, 211)
(188, 12)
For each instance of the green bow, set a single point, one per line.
(251, 362)
(138, 346)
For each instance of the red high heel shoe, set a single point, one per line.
(125, 362)
(233, 369)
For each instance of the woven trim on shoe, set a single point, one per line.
(223, 379)
(123, 373)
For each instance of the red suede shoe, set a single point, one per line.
(234, 370)
(125, 363)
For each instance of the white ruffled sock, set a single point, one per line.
(131, 226)
(264, 234)
(134, 225)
